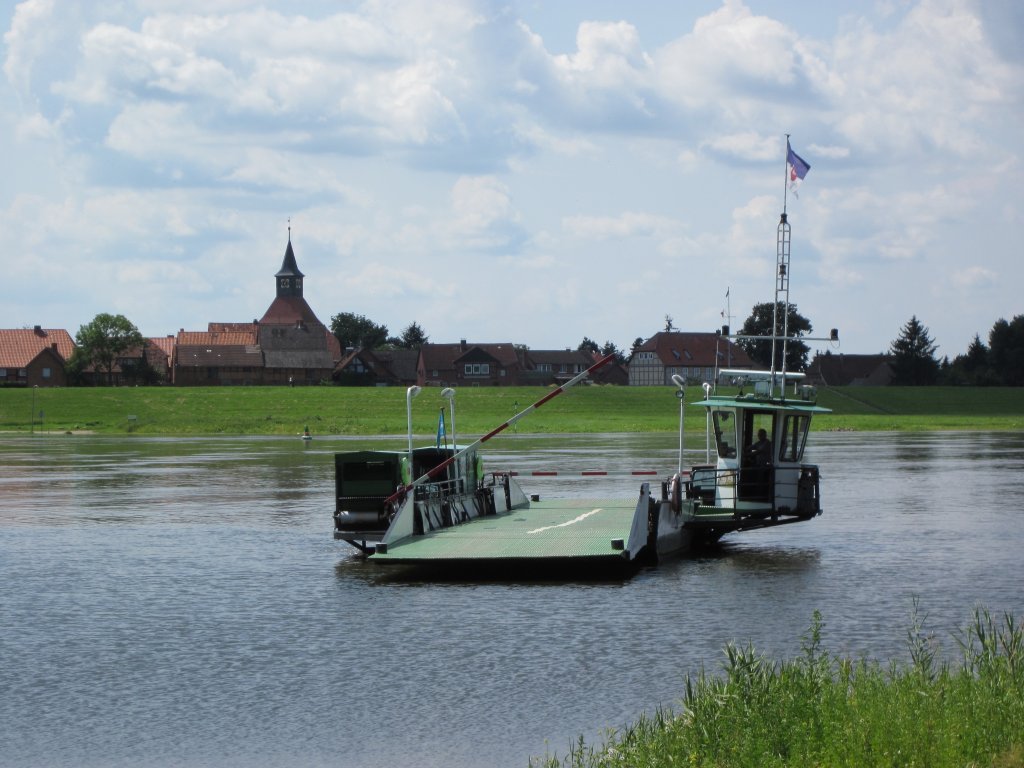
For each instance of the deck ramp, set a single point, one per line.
(578, 529)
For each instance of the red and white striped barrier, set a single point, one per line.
(583, 473)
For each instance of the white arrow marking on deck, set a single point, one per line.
(575, 520)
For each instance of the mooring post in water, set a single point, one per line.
(681, 394)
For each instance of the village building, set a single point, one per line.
(287, 346)
(377, 368)
(844, 370)
(34, 357)
(697, 357)
(503, 364)
(470, 364)
(146, 364)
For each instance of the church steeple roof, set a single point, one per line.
(288, 267)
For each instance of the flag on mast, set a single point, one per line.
(441, 434)
(798, 168)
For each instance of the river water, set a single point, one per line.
(181, 601)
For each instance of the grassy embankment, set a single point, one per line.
(823, 710)
(373, 411)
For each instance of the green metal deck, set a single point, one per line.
(578, 529)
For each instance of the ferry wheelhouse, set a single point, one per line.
(760, 477)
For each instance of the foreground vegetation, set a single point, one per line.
(823, 710)
(381, 411)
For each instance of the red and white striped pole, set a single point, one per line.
(498, 430)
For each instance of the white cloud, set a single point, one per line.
(921, 85)
(411, 139)
(745, 146)
(27, 39)
(974, 277)
(484, 217)
(731, 50)
(627, 224)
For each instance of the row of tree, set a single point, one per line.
(913, 351)
(1000, 363)
(359, 332)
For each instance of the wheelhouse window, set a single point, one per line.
(794, 437)
(725, 433)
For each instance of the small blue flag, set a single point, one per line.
(440, 428)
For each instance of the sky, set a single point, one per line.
(528, 172)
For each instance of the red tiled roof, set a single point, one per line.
(231, 355)
(164, 343)
(444, 356)
(675, 348)
(334, 346)
(205, 338)
(289, 310)
(232, 327)
(20, 346)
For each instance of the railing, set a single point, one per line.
(785, 490)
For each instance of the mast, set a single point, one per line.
(796, 169)
(782, 249)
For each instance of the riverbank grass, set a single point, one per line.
(382, 411)
(823, 710)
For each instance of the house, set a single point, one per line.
(146, 364)
(213, 358)
(850, 370)
(506, 364)
(697, 357)
(613, 372)
(466, 364)
(288, 345)
(159, 354)
(544, 367)
(379, 367)
(34, 357)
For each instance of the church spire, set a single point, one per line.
(289, 278)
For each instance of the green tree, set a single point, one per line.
(637, 343)
(358, 332)
(588, 345)
(970, 368)
(1006, 351)
(760, 324)
(914, 360)
(142, 371)
(610, 349)
(105, 339)
(413, 337)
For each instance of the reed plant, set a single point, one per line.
(823, 710)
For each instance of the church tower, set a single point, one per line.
(289, 278)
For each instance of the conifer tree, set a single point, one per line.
(914, 355)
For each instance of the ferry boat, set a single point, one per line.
(459, 514)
